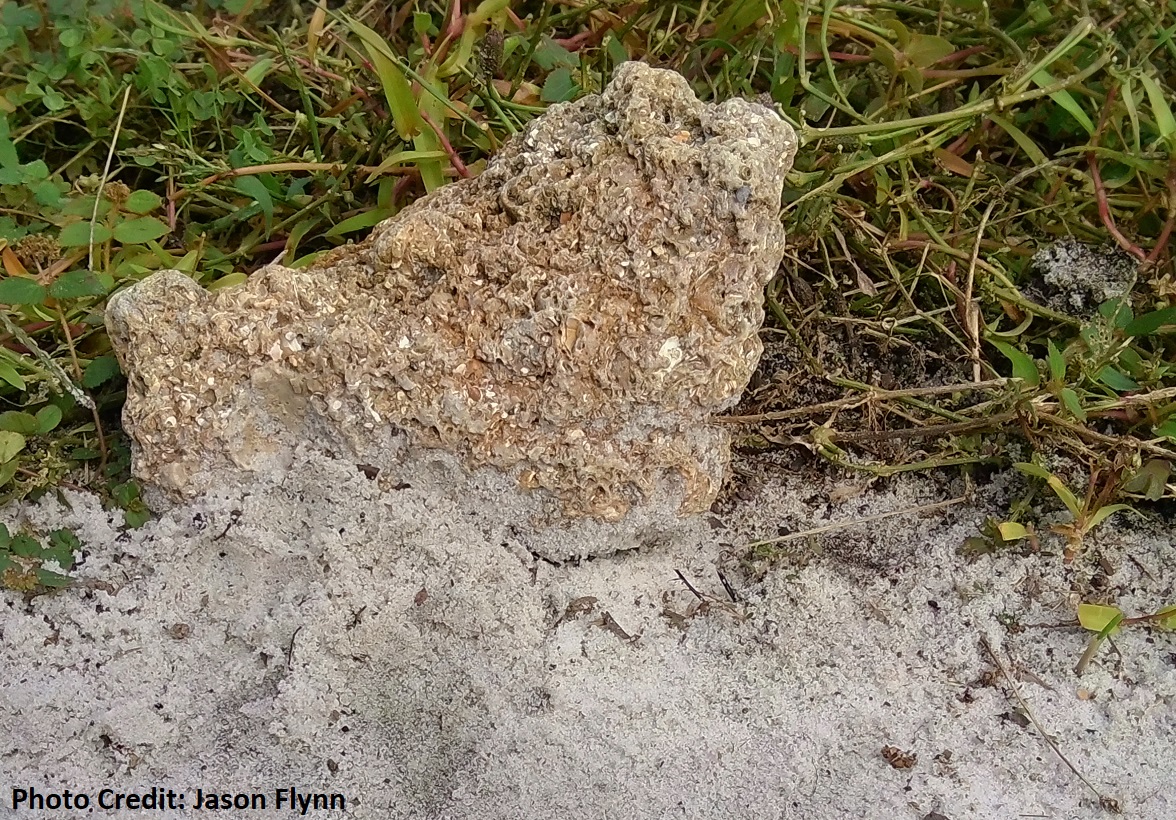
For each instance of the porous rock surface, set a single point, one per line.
(572, 317)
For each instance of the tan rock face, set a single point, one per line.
(573, 316)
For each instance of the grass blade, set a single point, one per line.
(1165, 122)
(1024, 368)
(1064, 99)
(397, 89)
(405, 107)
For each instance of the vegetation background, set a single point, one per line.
(946, 146)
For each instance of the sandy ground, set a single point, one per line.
(398, 649)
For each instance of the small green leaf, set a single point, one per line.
(359, 222)
(143, 202)
(886, 55)
(8, 156)
(1065, 494)
(17, 290)
(48, 417)
(137, 515)
(100, 370)
(559, 86)
(63, 544)
(1073, 404)
(422, 23)
(912, 77)
(140, 230)
(924, 50)
(1118, 311)
(48, 193)
(125, 494)
(52, 580)
(229, 280)
(616, 49)
(255, 189)
(1035, 470)
(8, 471)
(550, 54)
(257, 72)
(187, 262)
(10, 445)
(1149, 323)
(1131, 363)
(65, 538)
(84, 454)
(76, 284)
(36, 170)
(294, 238)
(1165, 121)
(1103, 513)
(1024, 368)
(1097, 617)
(1012, 531)
(71, 37)
(25, 546)
(9, 374)
(77, 234)
(1060, 490)
(61, 555)
(1167, 429)
(1116, 380)
(53, 100)
(16, 421)
(1057, 363)
(1150, 480)
(1169, 619)
(84, 206)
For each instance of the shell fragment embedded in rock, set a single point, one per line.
(573, 316)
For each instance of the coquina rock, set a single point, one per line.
(572, 317)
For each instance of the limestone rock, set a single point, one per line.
(572, 317)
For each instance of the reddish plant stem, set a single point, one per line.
(402, 184)
(458, 165)
(961, 55)
(843, 56)
(589, 38)
(456, 21)
(266, 247)
(1166, 232)
(1100, 191)
(1104, 210)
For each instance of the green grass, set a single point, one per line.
(943, 145)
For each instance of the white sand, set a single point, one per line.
(396, 649)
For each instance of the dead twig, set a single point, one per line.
(869, 519)
(689, 585)
(930, 431)
(1108, 803)
(971, 309)
(874, 394)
